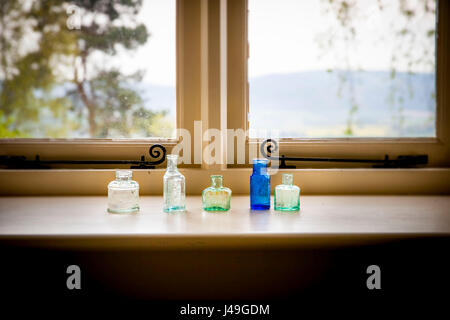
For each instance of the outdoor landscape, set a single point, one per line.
(319, 68)
(316, 104)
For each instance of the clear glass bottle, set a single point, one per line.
(217, 197)
(287, 195)
(260, 186)
(174, 187)
(123, 193)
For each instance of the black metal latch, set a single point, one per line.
(407, 161)
(156, 151)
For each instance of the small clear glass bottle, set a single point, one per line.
(217, 197)
(123, 193)
(287, 195)
(174, 187)
(260, 186)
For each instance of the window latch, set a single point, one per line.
(156, 151)
(404, 161)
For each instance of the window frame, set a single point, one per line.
(212, 86)
(437, 149)
(201, 95)
(187, 94)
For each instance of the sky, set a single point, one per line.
(158, 54)
(285, 37)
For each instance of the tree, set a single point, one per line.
(66, 69)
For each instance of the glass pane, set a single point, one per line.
(342, 68)
(87, 69)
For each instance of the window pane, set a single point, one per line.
(342, 68)
(87, 69)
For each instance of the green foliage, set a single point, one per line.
(56, 77)
(5, 124)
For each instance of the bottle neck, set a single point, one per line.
(172, 164)
(259, 169)
(216, 182)
(287, 179)
(123, 175)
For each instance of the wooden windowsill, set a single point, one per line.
(83, 222)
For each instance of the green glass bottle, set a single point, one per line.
(287, 195)
(216, 197)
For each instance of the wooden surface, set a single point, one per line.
(84, 220)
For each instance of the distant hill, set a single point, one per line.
(311, 103)
(317, 104)
(158, 97)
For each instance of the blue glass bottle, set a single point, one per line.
(260, 186)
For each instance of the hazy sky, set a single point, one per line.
(158, 54)
(285, 36)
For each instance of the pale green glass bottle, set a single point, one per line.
(174, 187)
(123, 193)
(217, 197)
(287, 195)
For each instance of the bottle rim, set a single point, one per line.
(260, 160)
(124, 174)
(287, 178)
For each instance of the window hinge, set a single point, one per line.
(404, 161)
(156, 151)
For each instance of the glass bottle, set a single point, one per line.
(216, 197)
(287, 195)
(123, 193)
(174, 187)
(260, 186)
